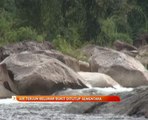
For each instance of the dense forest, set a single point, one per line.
(72, 23)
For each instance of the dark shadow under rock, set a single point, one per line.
(8, 86)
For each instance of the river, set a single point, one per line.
(12, 110)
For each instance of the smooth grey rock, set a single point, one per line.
(36, 74)
(126, 70)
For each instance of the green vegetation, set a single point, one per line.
(69, 24)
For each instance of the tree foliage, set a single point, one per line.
(76, 21)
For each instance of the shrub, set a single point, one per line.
(23, 33)
(62, 44)
(68, 48)
(109, 33)
(5, 26)
(26, 33)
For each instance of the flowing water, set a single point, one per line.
(12, 110)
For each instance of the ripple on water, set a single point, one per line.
(50, 111)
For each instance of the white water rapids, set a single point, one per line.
(13, 110)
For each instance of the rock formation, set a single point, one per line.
(125, 48)
(133, 103)
(41, 74)
(126, 70)
(99, 79)
(6, 84)
(6, 50)
(44, 47)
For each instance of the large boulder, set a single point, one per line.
(6, 50)
(99, 79)
(44, 47)
(5, 83)
(68, 60)
(126, 70)
(36, 74)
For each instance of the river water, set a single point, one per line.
(13, 110)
